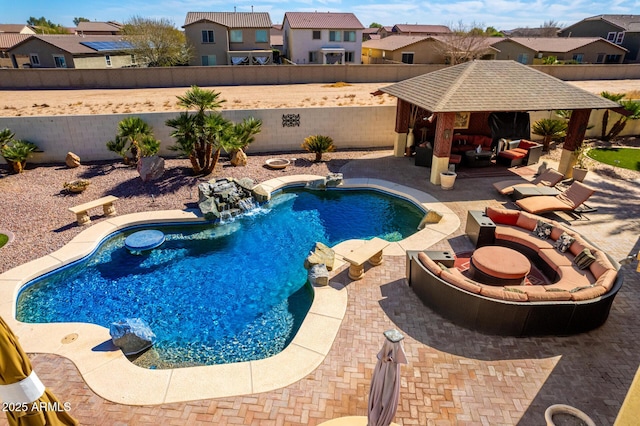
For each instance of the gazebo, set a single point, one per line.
(473, 90)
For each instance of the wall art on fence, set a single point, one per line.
(290, 120)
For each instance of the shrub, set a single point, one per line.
(318, 144)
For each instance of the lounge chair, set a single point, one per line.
(549, 178)
(569, 200)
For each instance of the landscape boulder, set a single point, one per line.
(150, 168)
(132, 335)
(72, 160)
(318, 275)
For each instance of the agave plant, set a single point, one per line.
(550, 129)
(16, 153)
(318, 144)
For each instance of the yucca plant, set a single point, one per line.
(16, 153)
(550, 129)
(318, 144)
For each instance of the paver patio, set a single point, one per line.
(454, 376)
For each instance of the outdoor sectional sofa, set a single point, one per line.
(520, 152)
(577, 300)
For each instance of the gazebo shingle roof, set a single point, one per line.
(493, 86)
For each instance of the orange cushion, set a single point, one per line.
(601, 264)
(588, 293)
(607, 279)
(500, 293)
(429, 264)
(503, 216)
(522, 237)
(460, 281)
(552, 294)
(527, 221)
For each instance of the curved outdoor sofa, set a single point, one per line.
(576, 301)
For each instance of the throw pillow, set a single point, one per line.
(542, 230)
(444, 268)
(564, 242)
(584, 259)
(577, 289)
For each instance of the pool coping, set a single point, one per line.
(113, 377)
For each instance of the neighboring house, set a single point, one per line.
(16, 29)
(322, 37)
(370, 34)
(72, 51)
(532, 32)
(385, 31)
(583, 50)
(229, 38)
(425, 30)
(623, 30)
(7, 42)
(275, 35)
(426, 49)
(99, 28)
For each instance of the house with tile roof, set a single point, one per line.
(72, 51)
(7, 41)
(99, 28)
(322, 37)
(417, 29)
(582, 50)
(229, 38)
(16, 29)
(418, 49)
(623, 30)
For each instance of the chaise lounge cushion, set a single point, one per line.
(549, 177)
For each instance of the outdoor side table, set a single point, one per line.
(478, 159)
(532, 191)
(480, 229)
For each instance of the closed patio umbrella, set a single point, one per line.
(24, 398)
(385, 382)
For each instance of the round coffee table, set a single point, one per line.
(496, 265)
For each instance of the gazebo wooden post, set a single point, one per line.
(575, 135)
(442, 145)
(403, 110)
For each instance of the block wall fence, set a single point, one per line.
(86, 135)
(364, 127)
(132, 78)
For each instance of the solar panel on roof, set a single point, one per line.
(102, 46)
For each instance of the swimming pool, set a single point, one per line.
(218, 294)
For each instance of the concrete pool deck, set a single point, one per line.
(113, 377)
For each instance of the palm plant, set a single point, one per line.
(318, 144)
(198, 135)
(6, 136)
(550, 129)
(16, 153)
(241, 135)
(632, 108)
(131, 131)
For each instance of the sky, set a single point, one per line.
(500, 14)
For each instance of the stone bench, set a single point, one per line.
(370, 251)
(82, 214)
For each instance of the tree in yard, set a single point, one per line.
(79, 19)
(375, 25)
(633, 113)
(156, 42)
(198, 135)
(464, 43)
(44, 26)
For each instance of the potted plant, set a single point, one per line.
(566, 415)
(318, 144)
(16, 153)
(580, 169)
(448, 178)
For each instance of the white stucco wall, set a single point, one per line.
(86, 135)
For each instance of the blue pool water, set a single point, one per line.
(219, 293)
